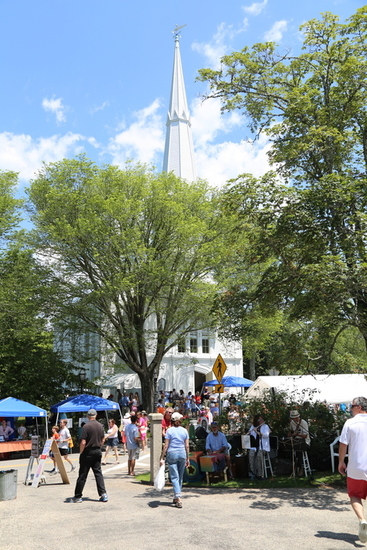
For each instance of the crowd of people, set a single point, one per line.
(174, 406)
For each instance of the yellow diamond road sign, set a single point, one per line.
(219, 368)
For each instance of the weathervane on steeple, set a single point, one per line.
(176, 30)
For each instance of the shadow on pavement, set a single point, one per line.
(265, 499)
(346, 537)
(158, 503)
(319, 499)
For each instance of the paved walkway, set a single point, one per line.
(140, 518)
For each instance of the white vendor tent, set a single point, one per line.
(332, 388)
(125, 381)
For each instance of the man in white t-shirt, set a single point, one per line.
(354, 439)
(63, 445)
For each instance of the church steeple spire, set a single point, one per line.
(179, 149)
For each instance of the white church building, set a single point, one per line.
(188, 365)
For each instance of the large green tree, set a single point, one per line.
(30, 369)
(132, 253)
(9, 205)
(309, 216)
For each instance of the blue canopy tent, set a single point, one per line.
(84, 402)
(12, 407)
(231, 382)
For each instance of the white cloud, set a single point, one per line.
(55, 106)
(218, 162)
(275, 34)
(208, 121)
(217, 47)
(21, 153)
(220, 153)
(100, 107)
(221, 162)
(256, 8)
(142, 140)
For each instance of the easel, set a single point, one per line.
(38, 478)
(34, 456)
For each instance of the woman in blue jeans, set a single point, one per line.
(176, 446)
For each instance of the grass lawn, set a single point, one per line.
(319, 479)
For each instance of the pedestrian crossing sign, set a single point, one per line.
(219, 368)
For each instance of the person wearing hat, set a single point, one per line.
(300, 436)
(353, 440)
(91, 441)
(176, 447)
(216, 443)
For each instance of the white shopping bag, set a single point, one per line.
(160, 480)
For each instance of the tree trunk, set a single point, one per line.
(147, 390)
(252, 368)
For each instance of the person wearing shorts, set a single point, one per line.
(63, 445)
(132, 444)
(111, 441)
(353, 440)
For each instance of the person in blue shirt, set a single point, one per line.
(216, 443)
(124, 403)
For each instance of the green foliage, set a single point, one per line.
(323, 424)
(132, 253)
(305, 223)
(29, 367)
(9, 206)
(312, 106)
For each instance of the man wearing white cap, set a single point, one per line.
(91, 440)
(176, 446)
(354, 439)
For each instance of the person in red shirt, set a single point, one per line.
(166, 421)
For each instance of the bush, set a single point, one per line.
(275, 407)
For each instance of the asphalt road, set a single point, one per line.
(138, 517)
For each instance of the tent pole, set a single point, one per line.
(46, 420)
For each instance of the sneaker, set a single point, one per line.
(55, 472)
(76, 500)
(362, 531)
(50, 471)
(104, 498)
(73, 468)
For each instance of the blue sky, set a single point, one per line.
(94, 76)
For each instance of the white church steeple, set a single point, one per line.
(179, 148)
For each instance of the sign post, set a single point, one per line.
(219, 369)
